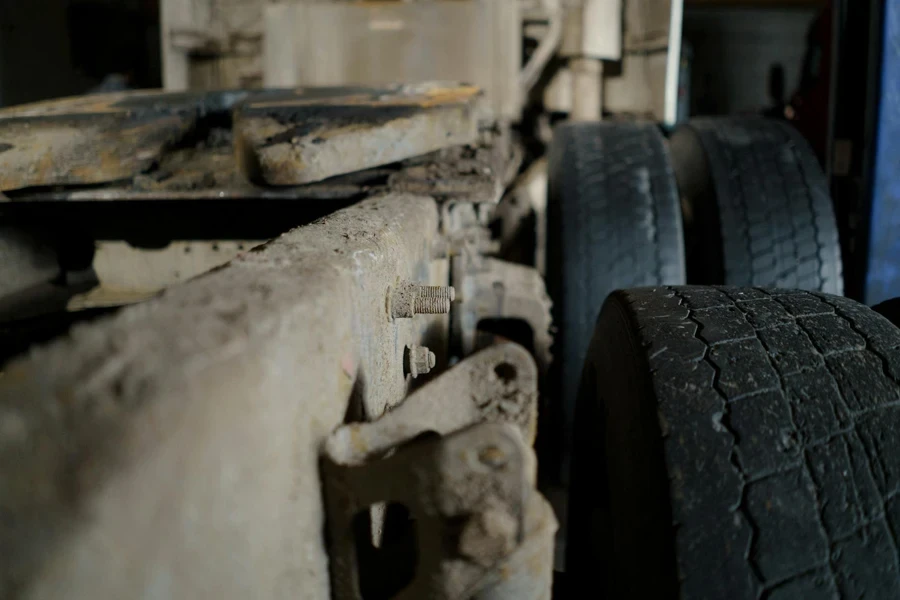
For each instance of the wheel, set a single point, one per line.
(737, 443)
(758, 206)
(614, 221)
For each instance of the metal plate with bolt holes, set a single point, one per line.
(481, 529)
(497, 384)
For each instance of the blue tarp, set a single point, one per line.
(883, 273)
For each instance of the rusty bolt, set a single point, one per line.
(410, 299)
(419, 360)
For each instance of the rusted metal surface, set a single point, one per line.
(231, 144)
(90, 139)
(291, 138)
(208, 171)
(176, 444)
(481, 529)
(204, 174)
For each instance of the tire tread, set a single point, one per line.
(614, 221)
(779, 413)
(767, 179)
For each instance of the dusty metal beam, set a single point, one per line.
(172, 449)
(296, 137)
(477, 173)
(215, 145)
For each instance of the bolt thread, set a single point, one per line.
(432, 306)
(434, 299)
(438, 291)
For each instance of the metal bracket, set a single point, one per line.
(481, 529)
(489, 288)
(498, 384)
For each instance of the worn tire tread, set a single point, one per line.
(773, 202)
(614, 221)
(779, 414)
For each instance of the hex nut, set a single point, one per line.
(418, 360)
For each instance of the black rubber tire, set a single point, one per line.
(759, 206)
(613, 221)
(737, 443)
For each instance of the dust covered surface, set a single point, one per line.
(307, 144)
(176, 438)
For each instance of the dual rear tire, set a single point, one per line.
(721, 442)
(734, 201)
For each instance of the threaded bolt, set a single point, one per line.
(410, 299)
(419, 360)
(434, 299)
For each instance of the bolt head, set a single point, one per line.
(401, 301)
(419, 360)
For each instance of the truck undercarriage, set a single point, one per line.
(298, 342)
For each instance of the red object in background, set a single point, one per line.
(808, 109)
